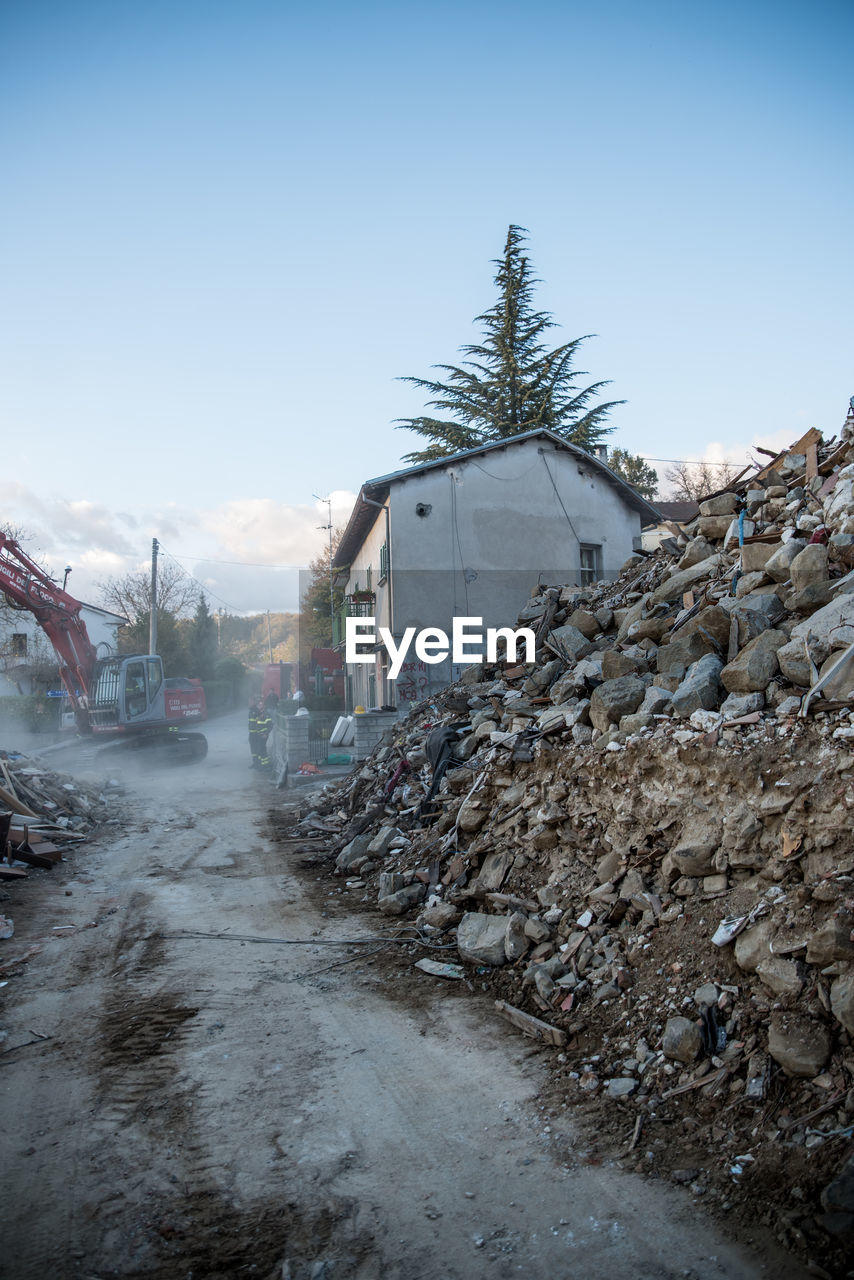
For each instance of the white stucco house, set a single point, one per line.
(471, 535)
(25, 650)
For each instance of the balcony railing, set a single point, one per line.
(361, 604)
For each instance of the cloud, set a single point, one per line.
(238, 551)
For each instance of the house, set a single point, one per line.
(471, 535)
(671, 516)
(27, 660)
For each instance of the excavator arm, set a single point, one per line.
(26, 586)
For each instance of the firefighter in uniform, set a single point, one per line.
(265, 727)
(260, 724)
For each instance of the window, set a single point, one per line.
(155, 676)
(591, 563)
(368, 574)
(18, 644)
(135, 700)
(383, 562)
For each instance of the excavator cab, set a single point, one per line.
(127, 693)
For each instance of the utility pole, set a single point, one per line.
(152, 616)
(328, 528)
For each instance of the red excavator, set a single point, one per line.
(124, 697)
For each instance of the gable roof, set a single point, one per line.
(374, 492)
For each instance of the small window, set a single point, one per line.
(18, 644)
(383, 562)
(591, 563)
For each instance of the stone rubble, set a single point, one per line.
(650, 776)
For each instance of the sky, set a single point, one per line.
(229, 229)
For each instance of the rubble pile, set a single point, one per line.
(642, 844)
(43, 811)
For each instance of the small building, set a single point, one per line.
(28, 662)
(671, 517)
(471, 536)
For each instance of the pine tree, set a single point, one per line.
(511, 382)
(202, 641)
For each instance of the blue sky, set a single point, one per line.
(228, 229)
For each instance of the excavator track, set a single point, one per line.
(174, 747)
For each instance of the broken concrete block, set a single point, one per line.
(793, 661)
(352, 852)
(389, 882)
(715, 527)
(841, 685)
(615, 699)
(537, 930)
(698, 549)
(516, 940)
(748, 583)
(701, 687)
(724, 504)
(782, 976)
(634, 724)
(764, 600)
(552, 720)
(712, 622)
(754, 945)
(741, 704)
(472, 815)
(381, 842)
(395, 904)
(480, 938)
(621, 1087)
(842, 1001)
(616, 664)
(779, 563)
(697, 844)
(655, 701)
(683, 651)
(682, 1040)
(494, 869)
(570, 640)
(442, 915)
(800, 1045)
(832, 625)
(585, 622)
(674, 587)
(811, 597)
(564, 688)
(751, 623)
(831, 942)
(756, 665)
(808, 566)
(541, 678)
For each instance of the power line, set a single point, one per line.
(689, 462)
(192, 578)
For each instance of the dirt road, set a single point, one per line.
(215, 1107)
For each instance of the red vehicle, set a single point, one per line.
(125, 697)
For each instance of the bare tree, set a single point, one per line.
(130, 596)
(693, 481)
